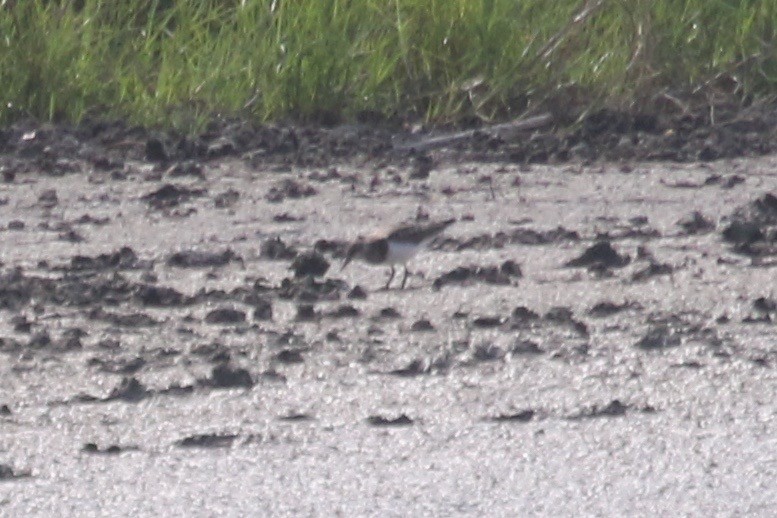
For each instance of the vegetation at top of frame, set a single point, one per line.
(179, 62)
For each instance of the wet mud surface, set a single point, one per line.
(592, 337)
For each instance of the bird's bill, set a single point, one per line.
(349, 255)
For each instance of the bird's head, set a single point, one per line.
(355, 250)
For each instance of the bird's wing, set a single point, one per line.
(419, 233)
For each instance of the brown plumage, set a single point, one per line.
(396, 246)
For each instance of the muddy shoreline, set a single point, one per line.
(595, 334)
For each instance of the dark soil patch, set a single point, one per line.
(225, 316)
(753, 227)
(225, 376)
(201, 259)
(207, 440)
(523, 416)
(170, 195)
(123, 259)
(668, 133)
(503, 274)
(378, 420)
(9, 472)
(310, 263)
(600, 255)
(113, 449)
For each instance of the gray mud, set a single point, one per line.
(165, 353)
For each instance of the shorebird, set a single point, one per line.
(394, 247)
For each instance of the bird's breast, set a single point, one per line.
(400, 253)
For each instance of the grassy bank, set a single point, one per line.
(178, 62)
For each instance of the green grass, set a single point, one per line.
(179, 63)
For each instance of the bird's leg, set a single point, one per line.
(404, 278)
(391, 276)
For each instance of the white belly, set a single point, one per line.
(401, 253)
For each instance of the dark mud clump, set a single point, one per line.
(160, 296)
(487, 352)
(659, 337)
(526, 347)
(753, 227)
(504, 274)
(130, 390)
(18, 289)
(613, 409)
(306, 313)
(200, 259)
(225, 316)
(388, 314)
(9, 472)
(765, 311)
(309, 289)
(275, 249)
(226, 376)
(207, 440)
(48, 199)
(521, 416)
(123, 259)
(379, 420)
(696, 223)
(652, 269)
(357, 293)
(310, 263)
(343, 311)
(600, 256)
(226, 199)
(289, 356)
(289, 188)
(422, 325)
(607, 308)
(113, 449)
(169, 196)
(413, 368)
(263, 310)
(485, 322)
(523, 318)
(563, 316)
(519, 236)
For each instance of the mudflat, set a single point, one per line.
(592, 337)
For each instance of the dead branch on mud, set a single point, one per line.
(497, 130)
